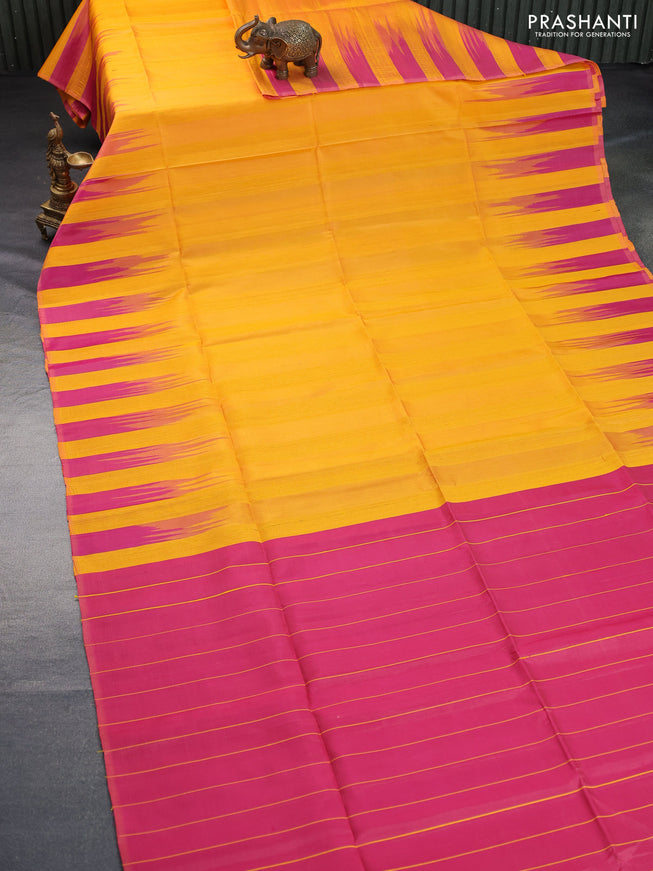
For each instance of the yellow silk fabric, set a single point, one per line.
(335, 306)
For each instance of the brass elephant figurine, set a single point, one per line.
(281, 43)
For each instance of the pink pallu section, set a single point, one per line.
(466, 687)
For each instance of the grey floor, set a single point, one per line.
(54, 805)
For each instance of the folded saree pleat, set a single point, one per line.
(353, 399)
(391, 43)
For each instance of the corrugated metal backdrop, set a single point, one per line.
(29, 28)
(510, 18)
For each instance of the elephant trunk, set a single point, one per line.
(242, 44)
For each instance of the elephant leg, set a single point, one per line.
(310, 67)
(267, 63)
(282, 68)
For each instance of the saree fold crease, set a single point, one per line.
(354, 399)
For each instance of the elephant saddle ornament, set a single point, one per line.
(281, 43)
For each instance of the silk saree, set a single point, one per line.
(353, 385)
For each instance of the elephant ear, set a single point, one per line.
(278, 46)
